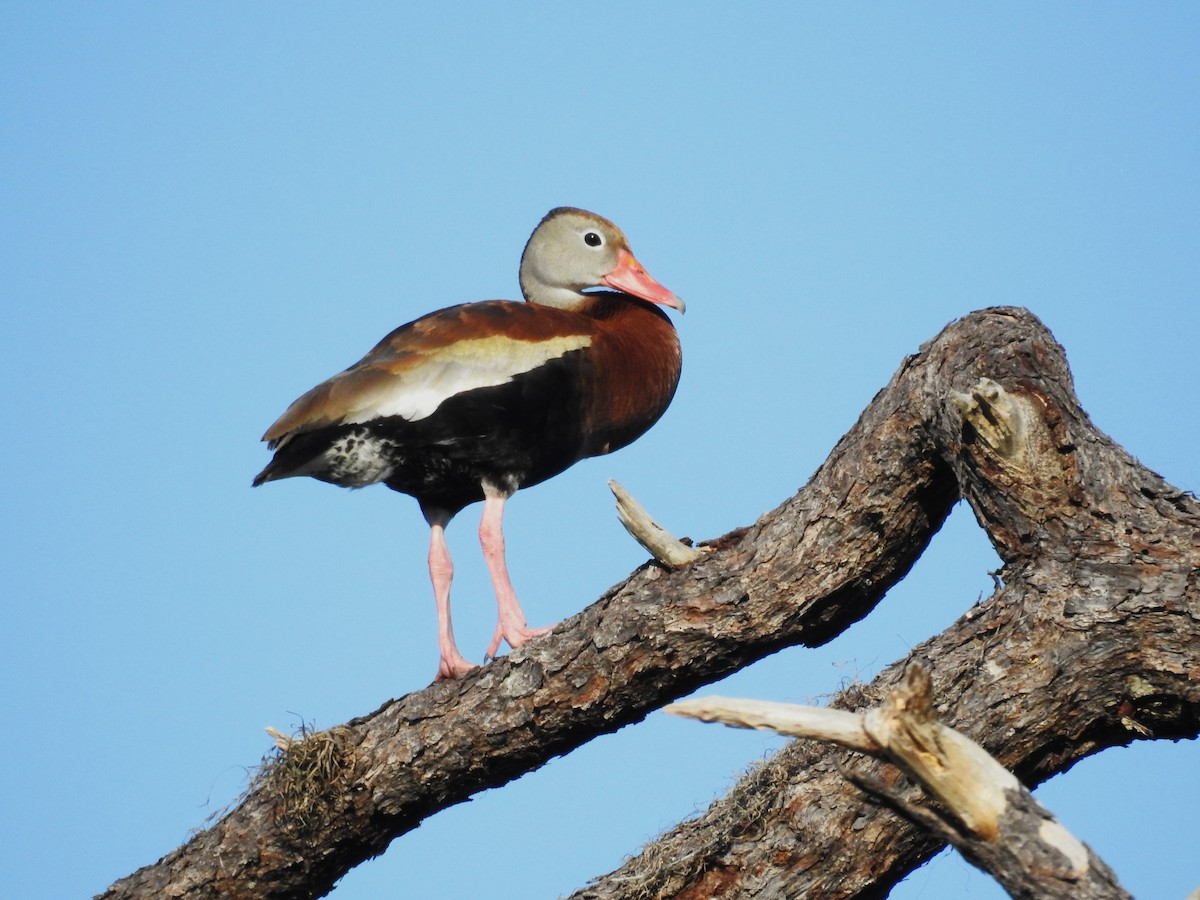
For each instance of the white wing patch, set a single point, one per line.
(460, 367)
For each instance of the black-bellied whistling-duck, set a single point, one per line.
(475, 401)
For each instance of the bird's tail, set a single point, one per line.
(267, 474)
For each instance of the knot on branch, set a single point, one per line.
(1024, 480)
(995, 415)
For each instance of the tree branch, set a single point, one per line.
(800, 575)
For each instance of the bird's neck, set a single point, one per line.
(546, 295)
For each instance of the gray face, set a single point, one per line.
(570, 251)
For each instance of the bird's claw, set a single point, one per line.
(453, 667)
(515, 636)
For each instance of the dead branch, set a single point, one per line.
(984, 811)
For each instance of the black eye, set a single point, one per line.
(592, 239)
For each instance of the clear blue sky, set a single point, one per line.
(207, 208)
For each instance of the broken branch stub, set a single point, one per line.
(658, 542)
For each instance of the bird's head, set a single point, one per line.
(572, 250)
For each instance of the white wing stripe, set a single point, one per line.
(462, 366)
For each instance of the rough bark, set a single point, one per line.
(1093, 640)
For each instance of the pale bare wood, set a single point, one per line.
(817, 723)
(656, 540)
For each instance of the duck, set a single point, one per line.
(475, 401)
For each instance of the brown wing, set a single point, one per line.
(413, 370)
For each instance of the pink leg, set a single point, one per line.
(441, 571)
(511, 627)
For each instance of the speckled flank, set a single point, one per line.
(360, 458)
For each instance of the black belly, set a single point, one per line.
(511, 435)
